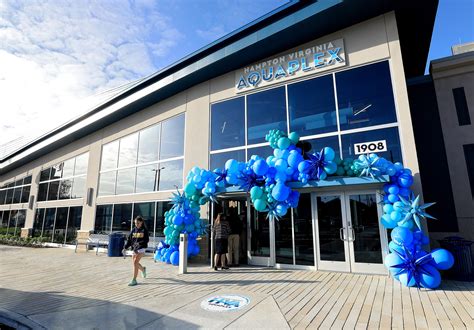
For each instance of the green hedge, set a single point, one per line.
(18, 241)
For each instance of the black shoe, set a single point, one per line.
(215, 268)
(224, 268)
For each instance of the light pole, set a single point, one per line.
(156, 184)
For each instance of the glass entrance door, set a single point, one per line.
(261, 243)
(349, 237)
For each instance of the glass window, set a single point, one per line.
(25, 194)
(265, 111)
(73, 223)
(44, 175)
(228, 124)
(461, 106)
(311, 106)
(5, 218)
(81, 164)
(60, 225)
(20, 221)
(149, 144)
(42, 191)
(147, 176)
(365, 96)
(147, 212)
(38, 223)
(161, 208)
(172, 137)
(68, 168)
(107, 183)
(49, 223)
(122, 218)
(53, 190)
(27, 180)
(126, 181)
(390, 135)
(303, 227)
(65, 189)
(263, 152)
(170, 175)
(469, 157)
(103, 219)
(79, 187)
(9, 198)
(17, 195)
(57, 171)
(284, 240)
(128, 150)
(3, 194)
(218, 160)
(316, 145)
(109, 156)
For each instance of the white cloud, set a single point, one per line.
(212, 33)
(55, 53)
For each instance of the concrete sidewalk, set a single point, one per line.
(58, 289)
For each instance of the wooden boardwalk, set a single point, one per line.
(36, 281)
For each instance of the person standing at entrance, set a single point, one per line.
(221, 230)
(234, 241)
(138, 241)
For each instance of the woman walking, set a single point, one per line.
(221, 230)
(138, 241)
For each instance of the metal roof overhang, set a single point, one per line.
(286, 27)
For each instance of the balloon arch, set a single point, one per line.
(267, 182)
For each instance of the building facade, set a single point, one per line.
(331, 71)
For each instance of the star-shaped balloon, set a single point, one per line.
(316, 165)
(412, 265)
(414, 211)
(367, 166)
(180, 200)
(248, 180)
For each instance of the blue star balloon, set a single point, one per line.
(412, 265)
(366, 165)
(316, 165)
(414, 211)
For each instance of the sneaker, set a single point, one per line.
(144, 272)
(225, 268)
(215, 268)
(132, 282)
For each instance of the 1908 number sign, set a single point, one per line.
(369, 147)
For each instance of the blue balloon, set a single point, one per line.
(178, 219)
(330, 168)
(431, 280)
(232, 166)
(392, 198)
(395, 247)
(260, 167)
(174, 258)
(294, 159)
(388, 208)
(403, 278)
(387, 221)
(442, 259)
(329, 154)
(402, 236)
(280, 192)
(393, 189)
(281, 210)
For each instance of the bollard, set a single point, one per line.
(183, 253)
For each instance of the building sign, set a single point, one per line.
(308, 60)
(224, 303)
(369, 147)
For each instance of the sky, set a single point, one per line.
(58, 56)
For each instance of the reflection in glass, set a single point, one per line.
(284, 240)
(20, 221)
(103, 219)
(79, 187)
(27, 180)
(25, 194)
(81, 164)
(390, 135)
(49, 223)
(265, 111)
(318, 144)
(263, 152)
(218, 160)
(365, 96)
(260, 238)
(126, 181)
(17, 195)
(3, 194)
(53, 190)
(122, 218)
(147, 212)
(365, 227)
(149, 143)
(5, 219)
(107, 183)
(170, 175)
(228, 124)
(9, 198)
(73, 223)
(44, 175)
(60, 225)
(68, 168)
(109, 156)
(128, 150)
(65, 189)
(311, 106)
(57, 171)
(331, 247)
(38, 223)
(172, 137)
(161, 208)
(42, 192)
(303, 224)
(147, 176)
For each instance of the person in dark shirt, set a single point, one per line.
(221, 230)
(138, 241)
(234, 241)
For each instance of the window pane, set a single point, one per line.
(79, 187)
(365, 96)
(60, 225)
(18, 183)
(172, 137)
(149, 144)
(103, 219)
(109, 156)
(303, 222)
(49, 223)
(53, 190)
(11, 222)
(9, 198)
(20, 221)
(122, 218)
(38, 223)
(317, 145)
(17, 195)
(461, 106)
(147, 212)
(128, 150)
(170, 175)
(218, 160)
(25, 194)
(65, 188)
(284, 240)
(107, 183)
(161, 208)
(311, 106)
(4, 226)
(126, 181)
(263, 152)
(27, 180)
(57, 171)
(146, 178)
(42, 192)
(68, 168)
(3, 194)
(228, 124)
(390, 135)
(74, 223)
(44, 176)
(265, 111)
(81, 164)
(469, 157)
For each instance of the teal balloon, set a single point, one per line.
(256, 193)
(329, 154)
(190, 189)
(260, 205)
(388, 208)
(294, 137)
(283, 143)
(330, 168)
(340, 170)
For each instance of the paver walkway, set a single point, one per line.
(58, 289)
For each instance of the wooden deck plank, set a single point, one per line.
(397, 305)
(364, 315)
(376, 313)
(386, 316)
(450, 311)
(418, 311)
(348, 316)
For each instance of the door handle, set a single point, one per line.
(352, 237)
(341, 234)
